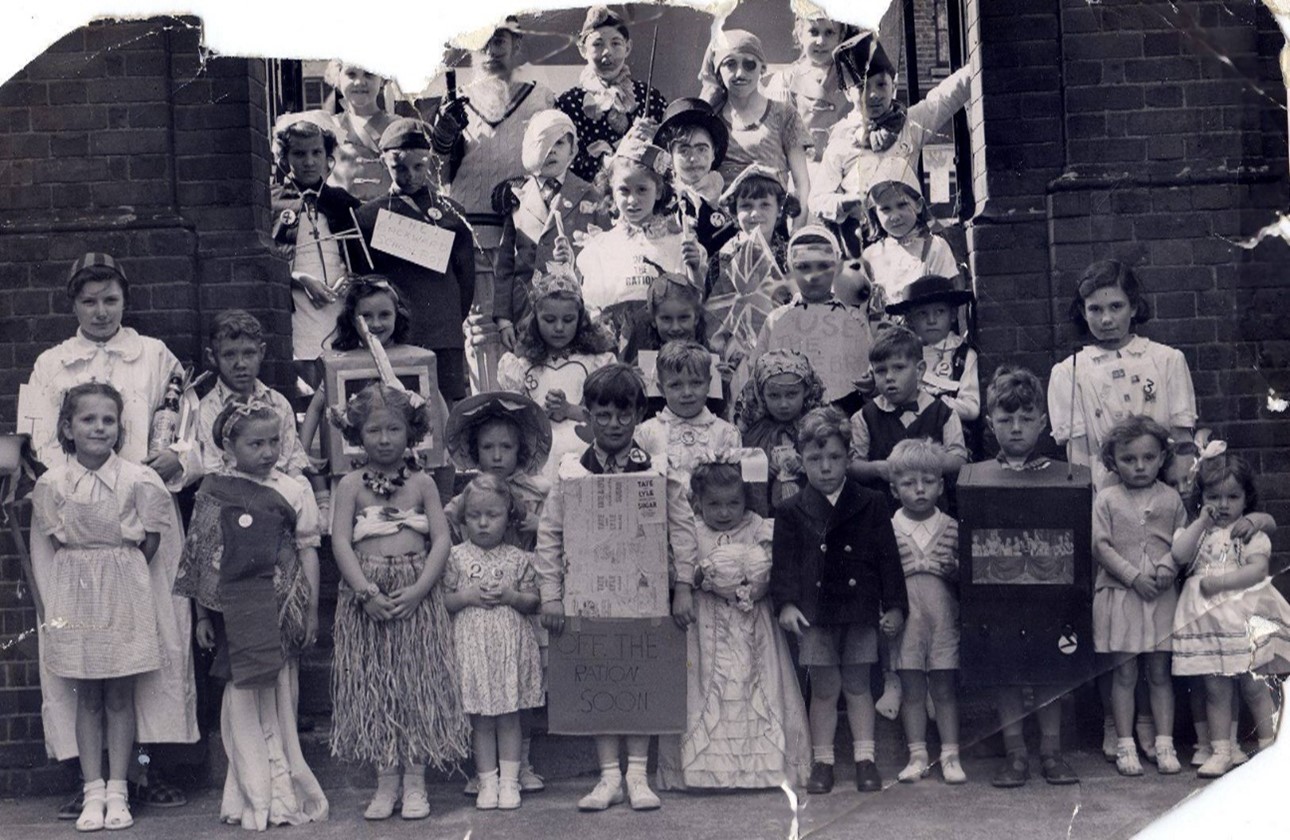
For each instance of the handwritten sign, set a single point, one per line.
(617, 676)
(615, 537)
(647, 361)
(836, 342)
(426, 245)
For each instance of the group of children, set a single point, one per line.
(655, 346)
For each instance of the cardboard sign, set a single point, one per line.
(647, 361)
(427, 245)
(835, 341)
(615, 539)
(617, 677)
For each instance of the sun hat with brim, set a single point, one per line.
(535, 428)
(930, 288)
(692, 112)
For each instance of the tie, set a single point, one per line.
(548, 188)
(911, 407)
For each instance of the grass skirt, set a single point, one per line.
(394, 687)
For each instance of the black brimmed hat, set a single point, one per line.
(860, 57)
(691, 112)
(930, 288)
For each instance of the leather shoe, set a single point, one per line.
(821, 779)
(1056, 771)
(1014, 772)
(867, 778)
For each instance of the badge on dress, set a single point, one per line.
(245, 520)
(434, 213)
(717, 219)
(288, 217)
(1149, 391)
(587, 208)
(637, 456)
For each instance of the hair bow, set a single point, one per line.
(1209, 449)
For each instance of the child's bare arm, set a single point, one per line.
(313, 416)
(1250, 524)
(1187, 543)
(801, 177)
(309, 565)
(151, 539)
(1253, 570)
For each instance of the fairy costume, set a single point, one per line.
(778, 439)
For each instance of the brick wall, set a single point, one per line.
(123, 138)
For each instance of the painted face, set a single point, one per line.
(499, 449)
(784, 394)
(675, 320)
(409, 169)
(238, 361)
(1138, 461)
(635, 193)
(485, 519)
(501, 54)
(558, 159)
(358, 86)
(1017, 431)
(685, 392)
(917, 491)
(825, 465)
(606, 50)
(385, 436)
(897, 378)
(740, 73)
(722, 506)
(93, 427)
(931, 322)
(693, 155)
(613, 426)
(897, 213)
(1227, 498)
(879, 91)
(814, 277)
(307, 161)
(99, 306)
(818, 38)
(1110, 316)
(557, 322)
(757, 214)
(256, 446)
(379, 311)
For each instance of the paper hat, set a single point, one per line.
(535, 428)
(557, 279)
(930, 288)
(94, 260)
(405, 133)
(752, 170)
(545, 128)
(691, 112)
(895, 168)
(860, 57)
(646, 154)
(599, 16)
(817, 237)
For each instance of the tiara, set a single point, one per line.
(558, 279)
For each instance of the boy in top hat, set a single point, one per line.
(697, 140)
(879, 126)
(532, 235)
(606, 100)
(439, 298)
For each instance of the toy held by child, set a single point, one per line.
(783, 387)
(490, 588)
(746, 721)
(394, 690)
(96, 524)
(250, 564)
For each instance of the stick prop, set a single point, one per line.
(649, 78)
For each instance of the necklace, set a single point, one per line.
(385, 484)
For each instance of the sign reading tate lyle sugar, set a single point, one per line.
(617, 676)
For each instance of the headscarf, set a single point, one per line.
(545, 128)
(725, 43)
(750, 407)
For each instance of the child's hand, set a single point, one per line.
(530, 523)
(552, 613)
(563, 250)
(557, 405)
(316, 290)
(1208, 513)
(891, 622)
(1164, 578)
(866, 384)
(691, 255)
(166, 464)
(1146, 588)
(1243, 529)
(379, 607)
(792, 620)
(683, 605)
(506, 332)
(205, 633)
(406, 599)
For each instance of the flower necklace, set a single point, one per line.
(385, 484)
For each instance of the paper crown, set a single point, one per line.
(814, 237)
(558, 279)
(895, 168)
(648, 155)
(752, 170)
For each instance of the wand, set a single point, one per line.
(649, 78)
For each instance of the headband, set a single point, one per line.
(240, 410)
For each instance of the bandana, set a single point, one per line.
(610, 99)
(883, 131)
(544, 130)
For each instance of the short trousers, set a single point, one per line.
(838, 644)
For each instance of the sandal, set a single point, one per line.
(94, 796)
(117, 815)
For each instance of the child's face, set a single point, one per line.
(740, 73)
(307, 160)
(818, 37)
(1017, 431)
(558, 159)
(1109, 315)
(722, 506)
(613, 426)
(814, 277)
(898, 377)
(1138, 461)
(878, 92)
(784, 395)
(238, 362)
(409, 168)
(675, 320)
(485, 519)
(385, 436)
(917, 491)
(635, 193)
(757, 214)
(380, 313)
(931, 322)
(897, 212)
(825, 464)
(557, 322)
(99, 306)
(256, 446)
(499, 449)
(1227, 499)
(93, 427)
(693, 155)
(686, 391)
(605, 50)
(1178, 475)
(359, 86)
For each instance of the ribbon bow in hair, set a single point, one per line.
(1209, 449)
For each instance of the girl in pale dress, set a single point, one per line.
(394, 689)
(97, 522)
(1231, 623)
(490, 587)
(810, 84)
(558, 345)
(745, 718)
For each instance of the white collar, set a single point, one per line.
(953, 341)
(703, 418)
(224, 393)
(107, 474)
(126, 343)
(922, 398)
